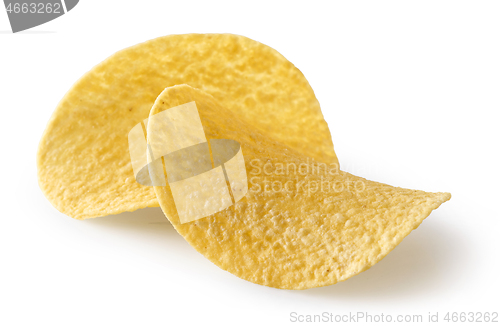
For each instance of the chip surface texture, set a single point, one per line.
(295, 238)
(83, 160)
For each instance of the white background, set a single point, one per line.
(410, 90)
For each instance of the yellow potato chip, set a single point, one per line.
(84, 165)
(301, 224)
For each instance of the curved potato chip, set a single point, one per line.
(83, 159)
(302, 224)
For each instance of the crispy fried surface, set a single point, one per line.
(83, 161)
(295, 239)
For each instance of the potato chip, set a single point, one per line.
(302, 223)
(83, 160)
